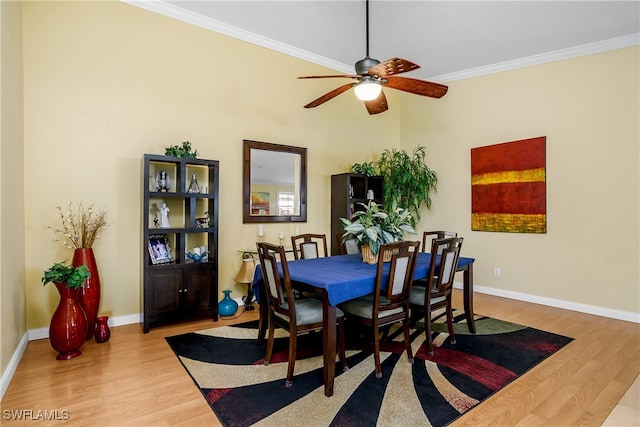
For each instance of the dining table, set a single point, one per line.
(341, 278)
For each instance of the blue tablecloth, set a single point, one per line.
(344, 277)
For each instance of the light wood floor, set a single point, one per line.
(136, 380)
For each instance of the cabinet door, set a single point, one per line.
(199, 278)
(164, 292)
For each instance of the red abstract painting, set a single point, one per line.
(508, 187)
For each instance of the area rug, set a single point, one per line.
(228, 368)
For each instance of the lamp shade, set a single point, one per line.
(367, 90)
(245, 275)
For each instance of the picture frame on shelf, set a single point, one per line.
(160, 250)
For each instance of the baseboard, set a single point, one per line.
(7, 374)
(127, 319)
(551, 302)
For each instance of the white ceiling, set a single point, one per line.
(448, 39)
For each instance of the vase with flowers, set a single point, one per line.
(68, 326)
(81, 226)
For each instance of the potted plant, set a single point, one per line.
(71, 277)
(372, 227)
(408, 181)
(68, 327)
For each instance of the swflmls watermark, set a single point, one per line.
(35, 414)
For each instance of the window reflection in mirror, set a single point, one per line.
(274, 183)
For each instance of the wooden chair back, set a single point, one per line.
(277, 288)
(429, 236)
(309, 245)
(348, 247)
(395, 292)
(442, 278)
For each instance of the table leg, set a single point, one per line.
(328, 344)
(468, 297)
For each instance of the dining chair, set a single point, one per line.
(348, 247)
(429, 236)
(389, 302)
(296, 316)
(307, 246)
(434, 291)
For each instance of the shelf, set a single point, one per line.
(180, 289)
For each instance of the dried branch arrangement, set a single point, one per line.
(80, 226)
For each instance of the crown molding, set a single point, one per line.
(169, 10)
(237, 33)
(557, 55)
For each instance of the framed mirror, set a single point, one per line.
(274, 182)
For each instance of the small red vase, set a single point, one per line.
(103, 333)
(68, 327)
(89, 294)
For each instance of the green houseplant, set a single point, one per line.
(372, 227)
(408, 181)
(181, 151)
(60, 272)
(366, 168)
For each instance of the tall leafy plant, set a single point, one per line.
(408, 181)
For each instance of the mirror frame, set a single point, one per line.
(247, 218)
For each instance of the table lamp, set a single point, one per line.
(245, 275)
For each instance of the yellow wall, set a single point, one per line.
(12, 214)
(106, 82)
(588, 108)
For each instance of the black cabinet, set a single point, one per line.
(179, 239)
(348, 192)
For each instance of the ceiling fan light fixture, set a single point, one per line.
(367, 90)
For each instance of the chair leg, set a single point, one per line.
(452, 337)
(376, 350)
(293, 342)
(407, 338)
(270, 339)
(427, 330)
(341, 346)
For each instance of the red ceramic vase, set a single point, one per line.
(89, 294)
(103, 333)
(68, 327)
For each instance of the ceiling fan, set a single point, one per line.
(372, 74)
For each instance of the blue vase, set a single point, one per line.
(227, 306)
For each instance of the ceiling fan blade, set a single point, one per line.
(325, 77)
(392, 66)
(378, 105)
(419, 87)
(330, 95)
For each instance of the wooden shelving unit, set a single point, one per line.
(175, 287)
